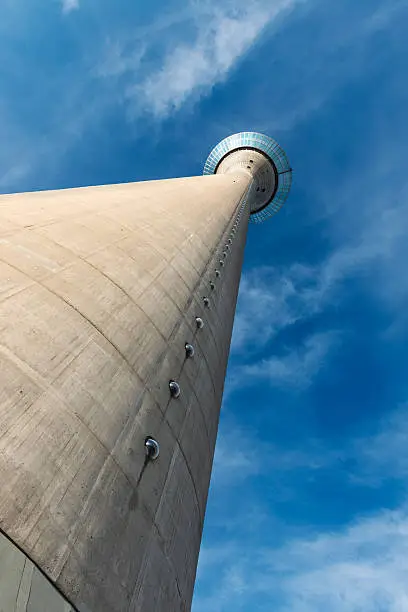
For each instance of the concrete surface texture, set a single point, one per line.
(100, 288)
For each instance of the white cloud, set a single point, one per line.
(116, 60)
(69, 5)
(234, 459)
(356, 567)
(368, 245)
(363, 567)
(241, 454)
(272, 299)
(222, 36)
(360, 567)
(159, 65)
(368, 461)
(152, 64)
(296, 369)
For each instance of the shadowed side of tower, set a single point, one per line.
(101, 290)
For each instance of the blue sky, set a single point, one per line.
(308, 508)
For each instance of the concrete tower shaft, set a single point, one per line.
(100, 291)
(116, 312)
(260, 170)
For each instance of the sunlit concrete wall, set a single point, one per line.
(99, 291)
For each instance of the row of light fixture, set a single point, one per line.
(151, 445)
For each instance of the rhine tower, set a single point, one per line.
(116, 311)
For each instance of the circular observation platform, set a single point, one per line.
(264, 160)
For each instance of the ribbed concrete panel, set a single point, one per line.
(23, 588)
(99, 291)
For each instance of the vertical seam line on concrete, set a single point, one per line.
(27, 556)
(19, 584)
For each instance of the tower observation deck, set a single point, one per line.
(264, 161)
(116, 311)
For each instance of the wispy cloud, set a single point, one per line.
(370, 460)
(69, 5)
(243, 454)
(353, 567)
(273, 299)
(294, 369)
(235, 457)
(361, 567)
(118, 60)
(152, 66)
(222, 36)
(146, 67)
